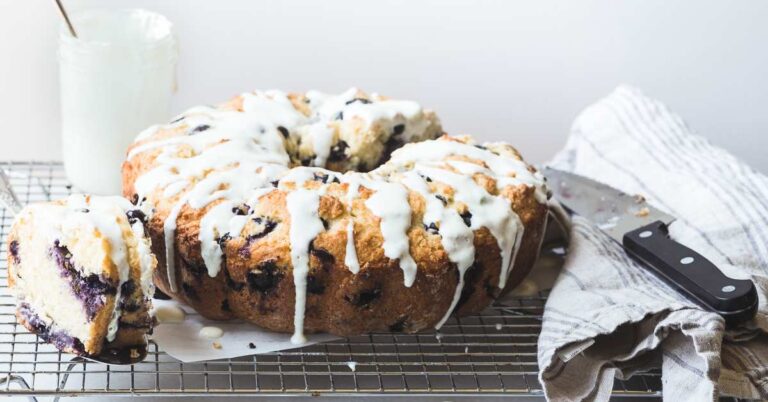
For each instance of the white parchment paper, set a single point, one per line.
(183, 341)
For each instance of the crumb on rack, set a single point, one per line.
(639, 199)
(644, 211)
(216, 345)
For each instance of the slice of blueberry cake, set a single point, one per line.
(81, 270)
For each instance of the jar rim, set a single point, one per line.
(163, 26)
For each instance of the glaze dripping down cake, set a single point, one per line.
(81, 270)
(346, 213)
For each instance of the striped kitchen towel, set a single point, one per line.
(608, 317)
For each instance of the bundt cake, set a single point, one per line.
(81, 270)
(335, 213)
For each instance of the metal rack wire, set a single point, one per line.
(491, 354)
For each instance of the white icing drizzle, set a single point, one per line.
(147, 261)
(211, 332)
(350, 256)
(507, 170)
(169, 314)
(250, 147)
(169, 230)
(273, 106)
(322, 141)
(303, 206)
(305, 226)
(455, 237)
(390, 204)
(223, 148)
(103, 214)
(373, 110)
(219, 220)
(211, 228)
(390, 113)
(492, 212)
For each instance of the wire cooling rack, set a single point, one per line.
(491, 354)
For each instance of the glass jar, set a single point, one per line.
(116, 79)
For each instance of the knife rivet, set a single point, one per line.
(645, 234)
(728, 289)
(686, 260)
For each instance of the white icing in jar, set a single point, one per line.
(116, 79)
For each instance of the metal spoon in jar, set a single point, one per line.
(66, 18)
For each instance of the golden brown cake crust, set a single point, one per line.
(256, 284)
(338, 305)
(335, 306)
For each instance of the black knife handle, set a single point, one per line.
(691, 273)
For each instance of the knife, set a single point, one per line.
(642, 231)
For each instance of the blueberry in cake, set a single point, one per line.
(336, 213)
(81, 270)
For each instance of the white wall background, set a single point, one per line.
(506, 70)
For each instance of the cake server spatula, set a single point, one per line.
(642, 231)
